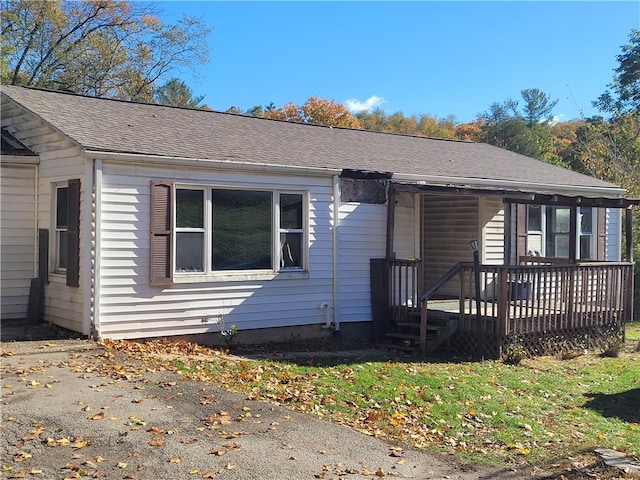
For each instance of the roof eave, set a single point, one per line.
(513, 186)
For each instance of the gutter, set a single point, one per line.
(445, 181)
(334, 240)
(208, 163)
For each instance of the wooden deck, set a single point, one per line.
(531, 302)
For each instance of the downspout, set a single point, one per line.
(87, 273)
(334, 240)
(97, 254)
(36, 190)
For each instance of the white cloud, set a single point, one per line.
(556, 119)
(370, 103)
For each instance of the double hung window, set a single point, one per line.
(66, 231)
(61, 228)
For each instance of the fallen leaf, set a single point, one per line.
(80, 443)
(175, 460)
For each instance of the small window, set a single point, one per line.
(61, 228)
(66, 227)
(190, 230)
(535, 218)
(291, 230)
(557, 232)
(585, 219)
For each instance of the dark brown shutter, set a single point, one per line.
(161, 248)
(43, 255)
(601, 232)
(73, 233)
(521, 231)
(573, 234)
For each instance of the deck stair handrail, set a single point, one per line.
(424, 299)
(441, 282)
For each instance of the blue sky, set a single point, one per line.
(436, 58)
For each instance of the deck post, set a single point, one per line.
(391, 220)
(573, 233)
(503, 303)
(423, 327)
(476, 278)
(629, 234)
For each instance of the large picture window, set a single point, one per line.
(227, 230)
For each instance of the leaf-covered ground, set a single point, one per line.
(544, 417)
(546, 412)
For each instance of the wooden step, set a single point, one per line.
(404, 336)
(416, 326)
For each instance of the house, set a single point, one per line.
(142, 220)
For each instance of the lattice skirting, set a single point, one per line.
(540, 343)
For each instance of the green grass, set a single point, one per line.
(633, 331)
(540, 411)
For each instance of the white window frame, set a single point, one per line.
(542, 234)
(58, 231)
(276, 271)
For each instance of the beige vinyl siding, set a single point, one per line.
(361, 236)
(492, 235)
(449, 224)
(406, 226)
(131, 308)
(60, 160)
(18, 238)
(613, 234)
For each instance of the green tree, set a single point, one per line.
(623, 94)
(95, 47)
(375, 120)
(512, 134)
(537, 106)
(527, 130)
(176, 93)
(610, 148)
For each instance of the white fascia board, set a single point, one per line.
(209, 163)
(533, 187)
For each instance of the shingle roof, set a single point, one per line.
(118, 126)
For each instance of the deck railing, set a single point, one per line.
(405, 285)
(538, 297)
(542, 298)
